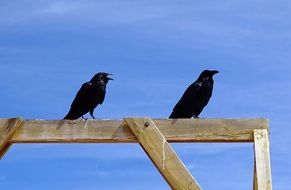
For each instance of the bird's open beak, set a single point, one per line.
(109, 78)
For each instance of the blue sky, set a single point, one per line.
(155, 49)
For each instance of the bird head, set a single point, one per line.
(102, 76)
(207, 74)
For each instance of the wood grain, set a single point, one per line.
(7, 129)
(162, 154)
(262, 160)
(110, 131)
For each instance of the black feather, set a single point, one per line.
(196, 97)
(90, 95)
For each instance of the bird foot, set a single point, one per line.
(84, 118)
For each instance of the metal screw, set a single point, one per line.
(146, 124)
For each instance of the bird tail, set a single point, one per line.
(178, 114)
(71, 116)
(173, 116)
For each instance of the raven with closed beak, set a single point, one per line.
(196, 96)
(90, 95)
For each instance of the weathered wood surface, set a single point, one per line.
(7, 130)
(255, 182)
(262, 173)
(15, 130)
(162, 154)
(102, 131)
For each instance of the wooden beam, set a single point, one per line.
(16, 130)
(110, 131)
(255, 182)
(262, 160)
(7, 129)
(162, 154)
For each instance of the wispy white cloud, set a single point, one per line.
(105, 12)
(61, 8)
(248, 40)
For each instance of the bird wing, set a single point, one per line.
(82, 94)
(188, 95)
(102, 97)
(78, 108)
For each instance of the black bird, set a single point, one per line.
(196, 97)
(90, 95)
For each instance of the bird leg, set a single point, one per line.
(91, 113)
(84, 118)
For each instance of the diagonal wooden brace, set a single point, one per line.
(162, 155)
(6, 132)
(262, 166)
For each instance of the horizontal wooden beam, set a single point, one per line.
(110, 131)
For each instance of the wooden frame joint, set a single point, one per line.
(6, 132)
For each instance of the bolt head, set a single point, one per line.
(147, 124)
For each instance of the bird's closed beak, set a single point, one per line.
(109, 78)
(214, 72)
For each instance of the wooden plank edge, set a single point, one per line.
(262, 160)
(12, 125)
(122, 134)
